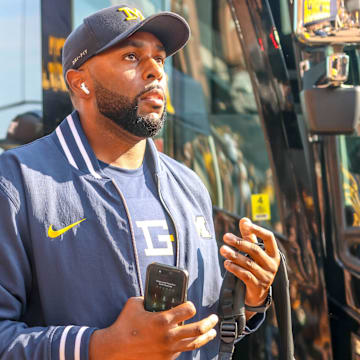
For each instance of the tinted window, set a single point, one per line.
(217, 128)
(349, 147)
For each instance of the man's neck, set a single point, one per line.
(113, 145)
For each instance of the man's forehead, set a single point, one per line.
(141, 39)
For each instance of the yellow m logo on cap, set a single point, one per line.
(132, 14)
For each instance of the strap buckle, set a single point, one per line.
(228, 331)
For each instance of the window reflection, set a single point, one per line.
(349, 154)
(355, 250)
(216, 122)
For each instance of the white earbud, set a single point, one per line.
(84, 88)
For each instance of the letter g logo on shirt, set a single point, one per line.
(151, 250)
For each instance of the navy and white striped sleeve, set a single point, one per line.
(17, 339)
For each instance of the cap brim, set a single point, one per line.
(171, 29)
(7, 145)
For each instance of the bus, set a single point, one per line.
(263, 106)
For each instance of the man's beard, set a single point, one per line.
(123, 112)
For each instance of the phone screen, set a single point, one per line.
(165, 287)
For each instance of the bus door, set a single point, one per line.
(327, 41)
(292, 167)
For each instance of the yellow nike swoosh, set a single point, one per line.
(55, 233)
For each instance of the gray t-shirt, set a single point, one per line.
(153, 228)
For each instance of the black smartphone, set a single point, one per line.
(165, 287)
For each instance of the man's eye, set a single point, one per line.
(160, 60)
(131, 57)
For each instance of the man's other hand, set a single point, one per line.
(139, 334)
(257, 270)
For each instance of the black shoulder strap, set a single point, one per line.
(232, 312)
(281, 298)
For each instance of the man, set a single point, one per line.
(87, 208)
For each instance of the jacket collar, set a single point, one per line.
(76, 148)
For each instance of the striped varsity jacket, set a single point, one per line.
(57, 288)
(68, 259)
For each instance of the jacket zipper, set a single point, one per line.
(137, 263)
(172, 219)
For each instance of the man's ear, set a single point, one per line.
(77, 83)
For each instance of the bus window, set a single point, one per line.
(217, 128)
(349, 148)
(349, 154)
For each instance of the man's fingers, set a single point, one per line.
(195, 329)
(259, 268)
(256, 289)
(256, 254)
(267, 236)
(196, 342)
(245, 230)
(180, 313)
(246, 276)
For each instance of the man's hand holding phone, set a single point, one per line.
(140, 334)
(158, 332)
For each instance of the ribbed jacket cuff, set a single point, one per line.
(252, 325)
(71, 342)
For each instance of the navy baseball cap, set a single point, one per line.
(109, 26)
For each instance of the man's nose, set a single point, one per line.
(153, 70)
